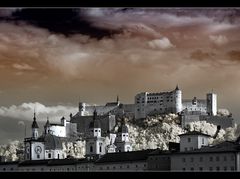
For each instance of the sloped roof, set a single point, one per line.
(125, 156)
(194, 133)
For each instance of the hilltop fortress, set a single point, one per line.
(150, 104)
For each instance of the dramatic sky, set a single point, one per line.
(52, 58)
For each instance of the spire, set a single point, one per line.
(177, 88)
(34, 115)
(34, 124)
(95, 114)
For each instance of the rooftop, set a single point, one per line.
(125, 156)
(194, 133)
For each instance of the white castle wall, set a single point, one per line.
(155, 103)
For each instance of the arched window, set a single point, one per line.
(100, 148)
(91, 148)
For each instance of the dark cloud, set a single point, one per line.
(200, 55)
(65, 21)
(234, 55)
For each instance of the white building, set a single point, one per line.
(64, 129)
(158, 103)
(171, 102)
(42, 147)
(193, 140)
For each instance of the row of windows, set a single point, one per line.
(225, 168)
(211, 159)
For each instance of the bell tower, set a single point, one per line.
(94, 141)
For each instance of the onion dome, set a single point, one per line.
(123, 128)
(95, 123)
(34, 124)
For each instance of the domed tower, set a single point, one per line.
(122, 140)
(34, 127)
(47, 127)
(94, 141)
(178, 99)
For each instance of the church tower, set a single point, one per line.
(34, 127)
(47, 127)
(122, 140)
(94, 141)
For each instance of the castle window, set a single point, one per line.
(38, 156)
(100, 149)
(91, 148)
(225, 158)
(202, 140)
(192, 169)
(96, 130)
(189, 139)
(49, 155)
(225, 168)
(183, 169)
(211, 159)
(200, 168)
(217, 168)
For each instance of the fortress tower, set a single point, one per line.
(212, 104)
(178, 99)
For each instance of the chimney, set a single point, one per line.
(218, 129)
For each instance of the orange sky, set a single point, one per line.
(153, 51)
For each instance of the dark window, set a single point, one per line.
(136, 166)
(95, 130)
(217, 158)
(91, 148)
(210, 168)
(189, 139)
(120, 167)
(232, 168)
(100, 149)
(200, 168)
(107, 168)
(211, 159)
(217, 168)
(225, 168)
(192, 159)
(38, 156)
(192, 168)
(127, 166)
(184, 169)
(225, 158)
(49, 155)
